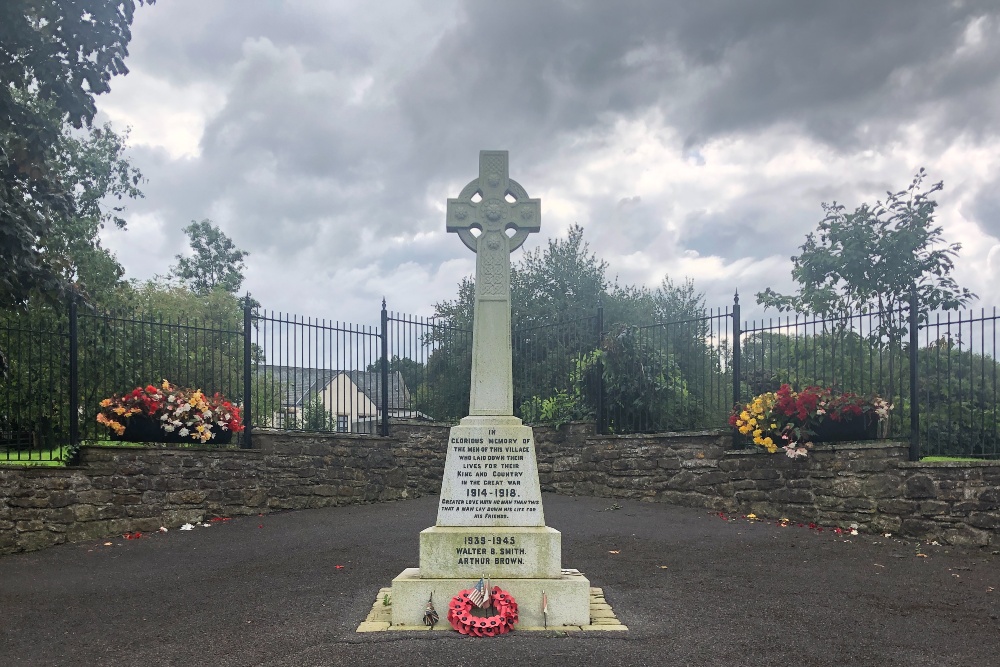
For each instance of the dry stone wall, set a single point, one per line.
(118, 490)
(124, 489)
(870, 484)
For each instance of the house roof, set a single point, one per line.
(301, 384)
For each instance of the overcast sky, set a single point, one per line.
(689, 139)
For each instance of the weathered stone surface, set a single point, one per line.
(920, 486)
(966, 536)
(410, 464)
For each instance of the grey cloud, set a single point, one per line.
(985, 209)
(306, 166)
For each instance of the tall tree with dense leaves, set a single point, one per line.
(55, 56)
(871, 258)
(216, 263)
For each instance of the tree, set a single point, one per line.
(869, 260)
(54, 58)
(555, 292)
(217, 262)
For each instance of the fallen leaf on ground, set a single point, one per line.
(614, 552)
(921, 555)
(187, 526)
(109, 544)
(339, 567)
(663, 567)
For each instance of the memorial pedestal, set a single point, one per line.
(491, 523)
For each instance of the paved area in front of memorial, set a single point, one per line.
(693, 588)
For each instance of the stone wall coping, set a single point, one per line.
(173, 450)
(839, 446)
(949, 464)
(322, 434)
(669, 435)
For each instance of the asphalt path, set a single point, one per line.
(694, 588)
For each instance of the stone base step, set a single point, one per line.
(568, 598)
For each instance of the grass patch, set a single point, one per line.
(939, 459)
(34, 457)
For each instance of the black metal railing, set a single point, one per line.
(556, 368)
(318, 375)
(668, 376)
(433, 359)
(956, 383)
(289, 372)
(845, 354)
(35, 401)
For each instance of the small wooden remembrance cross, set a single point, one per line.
(502, 206)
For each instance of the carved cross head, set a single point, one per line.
(493, 203)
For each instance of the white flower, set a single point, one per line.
(169, 428)
(795, 452)
(164, 417)
(183, 432)
(207, 414)
(187, 526)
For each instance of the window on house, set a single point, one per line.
(342, 426)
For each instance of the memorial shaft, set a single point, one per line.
(503, 216)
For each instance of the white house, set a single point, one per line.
(350, 399)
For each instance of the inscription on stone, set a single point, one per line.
(490, 478)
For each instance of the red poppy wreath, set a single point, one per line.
(461, 618)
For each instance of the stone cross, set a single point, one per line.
(493, 205)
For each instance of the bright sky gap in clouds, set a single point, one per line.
(689, 139)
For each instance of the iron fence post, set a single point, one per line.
(384, 333)
(247, 379)
(737, 359)
(914, 402)
(74, 386)
(602, 417)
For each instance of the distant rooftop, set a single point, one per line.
(300, 385)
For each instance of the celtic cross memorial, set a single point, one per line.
(490, 521)
(492, 205)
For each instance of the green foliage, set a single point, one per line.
(558, 409)
(55, 57)
(870, 259)
(314, 417)
(645, 388)
(958, 391)
(564, 280)
(217, 262)
(555, 292)
(266, 393)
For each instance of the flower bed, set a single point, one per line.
(793, 421)
(169, 414)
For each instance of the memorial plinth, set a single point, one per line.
(490, 519)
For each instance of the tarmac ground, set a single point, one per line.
(694, 588)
